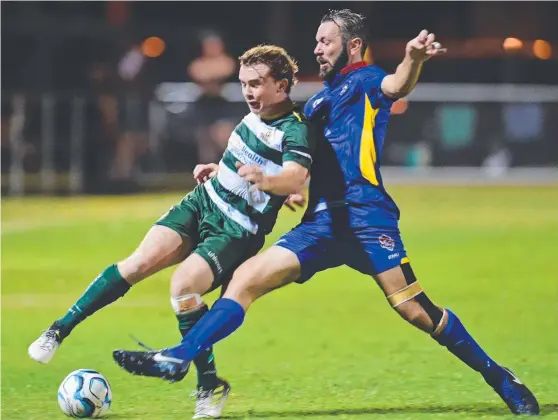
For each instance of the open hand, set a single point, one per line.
(424, 47)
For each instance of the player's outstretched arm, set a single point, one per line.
(418, 50)
(289, 181)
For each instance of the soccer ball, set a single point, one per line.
(84, 393)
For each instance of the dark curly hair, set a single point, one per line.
(352, 25)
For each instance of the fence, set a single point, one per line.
(54, 143)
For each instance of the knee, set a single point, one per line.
(181, 286)
(136, 267)
(193, 276)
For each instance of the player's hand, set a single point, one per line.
(295, 200)
(204, 172)
(254, 175)
(424, 47)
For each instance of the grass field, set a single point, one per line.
(330, 348)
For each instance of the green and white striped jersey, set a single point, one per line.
(266, 143)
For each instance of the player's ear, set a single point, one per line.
(355, 45)
(282, 85)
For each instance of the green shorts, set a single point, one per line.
(223, 243)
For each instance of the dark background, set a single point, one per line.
(52, 53)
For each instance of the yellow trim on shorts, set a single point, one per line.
(405, 294)
(405, 260)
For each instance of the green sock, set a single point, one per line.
(205, 361)
(105, 289)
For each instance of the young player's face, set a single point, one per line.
(261, 91)
(329, 49)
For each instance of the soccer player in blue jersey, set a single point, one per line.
(351, 219)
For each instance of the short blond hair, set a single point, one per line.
(280, 63)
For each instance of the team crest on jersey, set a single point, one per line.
(265, 136)
(386, 242)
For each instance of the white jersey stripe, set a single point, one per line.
(247, 156)
(306, 155)
(229, 210)
(234, 183)
(270, 136)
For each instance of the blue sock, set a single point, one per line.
(458, 341)
(222, 320)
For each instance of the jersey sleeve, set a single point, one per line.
(372, 83)
(298, 144)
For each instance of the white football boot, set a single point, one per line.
(209, 404)
(43, 348)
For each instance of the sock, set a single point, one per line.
(105, 289)
(459, 342)
(222, 320)
(205, 361)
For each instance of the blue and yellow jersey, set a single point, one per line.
(353, 113)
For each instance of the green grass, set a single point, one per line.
(329, 349)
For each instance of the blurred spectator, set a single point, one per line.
(102, 122)
(133, 103)
(213, 67)
(210, 71)
(5, 153)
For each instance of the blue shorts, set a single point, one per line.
(330, 238)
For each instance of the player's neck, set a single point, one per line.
(354, 64)
(351, 63)
(280, 109)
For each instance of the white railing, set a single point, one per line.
(174, 94)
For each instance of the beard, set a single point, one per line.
(340, 62)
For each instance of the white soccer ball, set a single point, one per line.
(84, 393)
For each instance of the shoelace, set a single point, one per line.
(50, 340)
(140, 343)
(199, 393)
(209, 396)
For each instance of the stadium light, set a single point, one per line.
(542, 49)
(153, 47)
(512, 44)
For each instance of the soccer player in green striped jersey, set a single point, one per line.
(218, 225)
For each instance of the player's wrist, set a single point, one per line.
(268, 183)
(412, 61)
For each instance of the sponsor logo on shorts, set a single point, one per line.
(386, 242)
(392, 256)
(214, 258)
